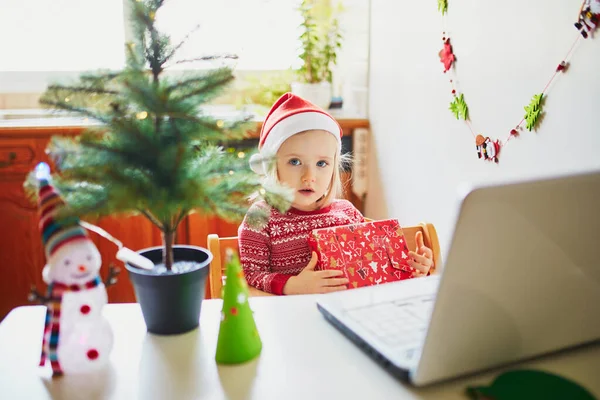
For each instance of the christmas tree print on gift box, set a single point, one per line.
(238, 340)
(369, 253)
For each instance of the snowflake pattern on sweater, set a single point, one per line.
(278, 251)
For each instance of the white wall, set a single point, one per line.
(506, 52)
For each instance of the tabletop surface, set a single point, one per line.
(303, 357)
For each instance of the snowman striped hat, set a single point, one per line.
(291, 114)
(56, 231)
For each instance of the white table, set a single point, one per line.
(303, 357)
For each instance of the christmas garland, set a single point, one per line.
(487, 148)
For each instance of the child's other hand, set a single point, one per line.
(310, 281)
(422, 259)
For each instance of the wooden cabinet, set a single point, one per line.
(21, 251)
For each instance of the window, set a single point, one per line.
(263, 33)
(45, 39)
(61, 35)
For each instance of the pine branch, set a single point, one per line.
(207, 88)
(83, 203)
(216, 132)
(100, 147)
(182, 215)
(257, 218)
(71, 155)
(176, 48)
(62, 105)
(134, 61)
(276, 195)
(82, 89)
(145, 16)
(100, 77)
(208, 58)
(129, 126)
(152, 219)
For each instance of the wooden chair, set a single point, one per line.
(218, 246)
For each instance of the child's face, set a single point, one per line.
(305, 162)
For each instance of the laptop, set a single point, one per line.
(521, 279)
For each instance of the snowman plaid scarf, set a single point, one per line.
(52, 322)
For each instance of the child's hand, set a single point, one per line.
(422, 259)
(310, 281)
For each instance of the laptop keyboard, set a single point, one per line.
(401, 324)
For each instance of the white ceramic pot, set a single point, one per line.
(317, 93)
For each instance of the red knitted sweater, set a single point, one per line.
(271, 255)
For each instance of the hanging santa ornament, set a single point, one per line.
(77, 338)
(486, 148)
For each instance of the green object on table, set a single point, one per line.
(529, 385)
(238, 340)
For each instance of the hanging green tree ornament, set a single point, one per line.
(238, 340)
(533, 111)
(443, 6)
(459, 108)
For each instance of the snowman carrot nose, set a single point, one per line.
(82, 268)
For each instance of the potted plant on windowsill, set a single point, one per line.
(320, 40)
(157, 153)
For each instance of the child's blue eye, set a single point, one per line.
(294, 161)
(322, 163)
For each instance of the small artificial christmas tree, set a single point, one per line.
(155, 151)
(239, 340)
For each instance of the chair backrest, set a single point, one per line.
(218, 246)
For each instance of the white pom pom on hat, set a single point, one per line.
(291, 114)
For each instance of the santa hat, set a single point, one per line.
(56, 232)
(290, 114)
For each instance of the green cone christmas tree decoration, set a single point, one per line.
(238, 338)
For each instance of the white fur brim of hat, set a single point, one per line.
(287, 128)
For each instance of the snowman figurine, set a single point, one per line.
(77, 338)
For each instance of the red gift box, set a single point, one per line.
(369, 253)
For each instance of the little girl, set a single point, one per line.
(305, 143)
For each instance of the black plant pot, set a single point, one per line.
(171, 302)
